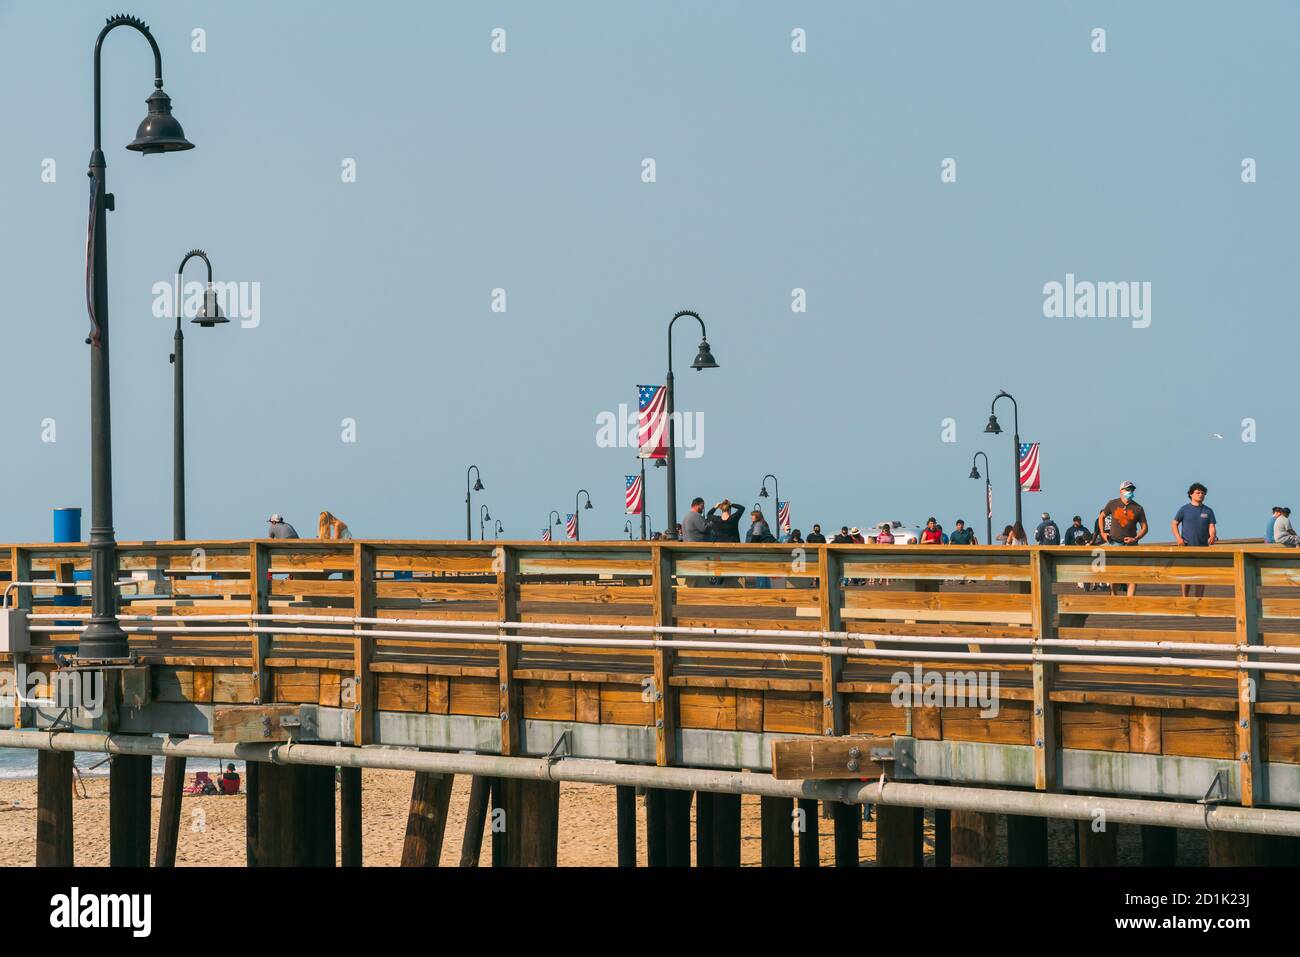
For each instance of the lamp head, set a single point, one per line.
(159, 131)
(588, 505)
(974, 472)
(762, 493)
(478, 485)
(704, 358)
(210, 312)
(993, 426)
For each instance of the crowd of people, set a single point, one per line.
(1121, 521)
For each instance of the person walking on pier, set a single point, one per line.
(279, 528)
(1128, 525)
(932, 534)
(1194, 525)
(1048, 532)
(961, 535)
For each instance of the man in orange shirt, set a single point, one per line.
(1128, 525)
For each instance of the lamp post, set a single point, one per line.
(469, 510)
(483, 516)
(496, 532)
(988, 492)
(577, 525)
(703, 360)
(995, 429)
(762, 493)
(644, 497)
(209, 316)
(158, 133)
(555, 515)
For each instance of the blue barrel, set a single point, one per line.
(67, 528)
(67, 525)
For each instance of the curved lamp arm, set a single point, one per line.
(112, 24)
(180, 270)
(685, 312)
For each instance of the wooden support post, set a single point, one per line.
(129, 781)
(665, 697)
(1159, 846)
(625, 823)
(252, 798)
(169, 812)
(480, 793)
(532, 822)
(426, 821)
(656, 827)
(1026, 841)
(809, 844)
(777, 818)
(350, 816)
(363, 604)
(1041, 579)
(848, 829)
(295, 815)
(726, 830)
(259, 603)
(942, 837)
(54, 808)
(1097, 848)
(1232, 849)
(679, 827)
(1245, 572)
(20, 564)
(703, 829)
(506, 563)
(1279, 851)
(898, 836)
(830, 596)
(974, 838)
(500, 839)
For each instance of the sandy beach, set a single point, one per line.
(212, 828)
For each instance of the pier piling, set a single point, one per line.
(899, 836)
(1026, 841)
(480, 793)
(130, 779)
(848, 829)
(54, 808)
(809, 843)
(777, 834)
(350, 817)
(426, 822)
(169, 812)
(625, 823)
(974, 838)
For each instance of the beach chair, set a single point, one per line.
(202, 781)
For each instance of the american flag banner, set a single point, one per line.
(546, 534)
(633, 495)
(989, 489)
(652, 421)
(571, 526)
(1029, 467)
(783, 516)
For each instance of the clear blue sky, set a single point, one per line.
(775, 170)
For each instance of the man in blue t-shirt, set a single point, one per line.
(1272, 523)
(1194, 525)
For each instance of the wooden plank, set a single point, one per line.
(588, 593)
(1281, 739)
(878, 717)
(662, 694)
(626, 704)
(257, 722)
(361, 693)
(746, 597)
(827, 758)
(749, 709)
(331, 689)
(699, 708)
(441, 590)
(1097, 604)
(505, 563)
(1198, 734)
(476, 696)
(1012, 724)
(1181, 571)
(259, 603)
(987, 570)
(401, 693)
(548, 700)
(587, 702)
(833, 714)
(20, 565)
(297, 685)
(1246, 618)
(439, 700)
(1044, 731)
(233, 686)
(1095, 728)
(791, 712)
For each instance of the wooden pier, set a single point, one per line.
(673, 655)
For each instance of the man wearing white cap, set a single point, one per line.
(279, 528)
(1128, 524)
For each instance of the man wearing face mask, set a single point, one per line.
(1128, 524)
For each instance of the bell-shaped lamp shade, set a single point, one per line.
(974, 472)
(762, 493)
(210, 312)
(478, 485)
(661, 462)
(588, 505)
(704, 359)
(160, 132)
(993, 426)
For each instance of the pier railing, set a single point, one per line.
(473, 644)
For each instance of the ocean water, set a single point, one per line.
(17, 763)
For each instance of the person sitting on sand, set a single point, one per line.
(230, 781)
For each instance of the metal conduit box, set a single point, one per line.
(14, 635)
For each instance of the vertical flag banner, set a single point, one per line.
(989, 488)
(633, 496)
(783, 516)
(1029, 467)
(546, 534)
(571, 526)
(652, 421)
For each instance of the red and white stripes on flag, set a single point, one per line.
(783, 516)
(1029, 467)
(634, 497)
(989, 489)
(652, 421)
(546, 534)
(571, 526)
